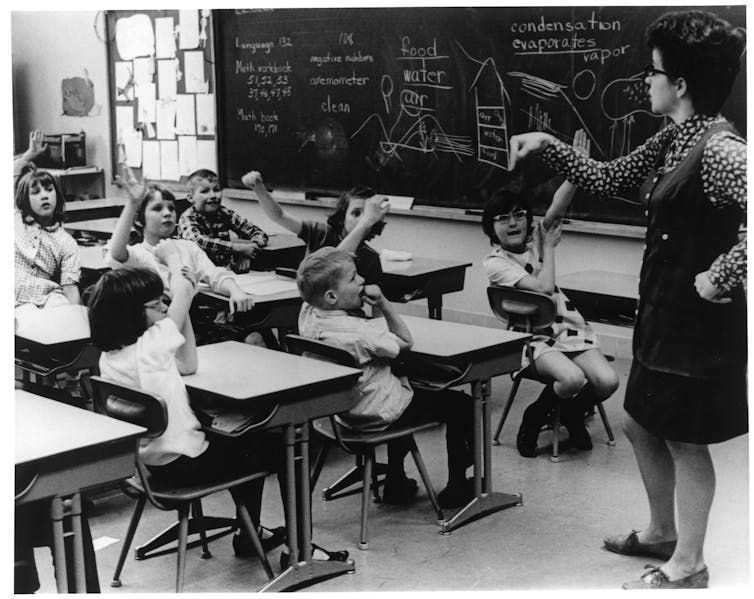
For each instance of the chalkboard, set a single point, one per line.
(422, 102)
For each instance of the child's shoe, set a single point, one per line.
(269, 537)
(456, 494)
(399, 490)
(528, 432)
(573, 419)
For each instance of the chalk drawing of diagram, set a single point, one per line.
(489, 109)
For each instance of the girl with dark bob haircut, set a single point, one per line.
(687, 387)
(116, 306)
(29, 177)
(505, 202)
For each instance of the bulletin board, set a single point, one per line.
(162, 92)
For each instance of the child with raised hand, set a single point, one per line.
(568, 354)
(210, 224)
(46, 258)
(334, 293)
(151, 209)
(149, 345)
(36, 148)
(358, 217)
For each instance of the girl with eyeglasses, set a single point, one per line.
(567, 353)
(687, 385)
(358, 217)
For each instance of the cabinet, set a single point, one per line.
(81, 183)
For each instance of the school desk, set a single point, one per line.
(100, 228)
(602, 296)
(54, 340)
(76, 211)
(478, 353)
(277, 301)
(420, 278)
(291, 391)
(61, 450)
(281, 250)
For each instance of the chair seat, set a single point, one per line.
(324, 427)
(191, 492)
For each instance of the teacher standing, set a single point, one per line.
(687, 386)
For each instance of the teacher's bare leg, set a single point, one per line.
(658, 474)
(695, 488)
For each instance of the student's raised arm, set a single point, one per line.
(137, 191)
(182, 288)
(273, 210)
(562, 197)
(375, 209)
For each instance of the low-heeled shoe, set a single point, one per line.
(655, 578)
(630, 545)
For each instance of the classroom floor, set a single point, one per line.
(552, 541)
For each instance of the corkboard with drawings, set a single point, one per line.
(162, 92)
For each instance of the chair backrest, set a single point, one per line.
(130, 404)
(303, 346)
(530, 310)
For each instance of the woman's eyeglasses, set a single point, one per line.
(517, 215)
(651, 71)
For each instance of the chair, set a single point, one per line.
(360, 444)
(139, 407)
(530, 311)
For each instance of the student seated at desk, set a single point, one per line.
(151, 209)
(333, 292)
(209, 224)
(46, 258)
(358, 217)
(524, 257)
(149, 345)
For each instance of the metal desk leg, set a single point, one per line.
(308, 570)
(58, 547)
(434, 305)
(485, 501)
(78, 543)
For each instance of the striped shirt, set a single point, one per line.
(379, 396)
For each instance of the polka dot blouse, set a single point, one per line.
(723, 176)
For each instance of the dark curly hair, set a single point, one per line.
(29, 176)
(116, 306)
(502, 202)
(703, 49)
(338, 218)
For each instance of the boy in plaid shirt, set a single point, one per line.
(209, 224)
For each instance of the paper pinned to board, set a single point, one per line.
(188, 27)
(134, 36)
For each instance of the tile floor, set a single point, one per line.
(552, 541)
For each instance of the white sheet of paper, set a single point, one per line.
(399, 202)
(193, 67)
(124, 88)
(151, 159)
(264, 284)
(165, 37)
(147, 108)
(169, 160)
(185, 117)
(188, 25)
(186, 154)
(206, 156)
(205, 114)
(166, 81)
(134, 36)
(166, 118)
(132, 147)
(143, 71)
(124, 122)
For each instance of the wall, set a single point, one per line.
(48, 47)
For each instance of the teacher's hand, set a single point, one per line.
(526, 143)
(707, 290)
